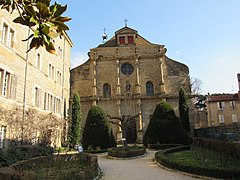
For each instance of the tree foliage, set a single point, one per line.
(184, 110)
(41, 17)
(97, 131)
(74, 133)
(200, 104)
(164, 127)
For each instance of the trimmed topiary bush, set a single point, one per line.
(164, 127)
(74, 132)
(130, 151)
(97, 131)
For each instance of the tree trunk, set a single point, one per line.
(125, 139)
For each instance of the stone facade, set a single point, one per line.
(34, 86)
(128, 75)
(223, 109)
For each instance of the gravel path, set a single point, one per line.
(140, 169)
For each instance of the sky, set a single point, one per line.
(203, 34)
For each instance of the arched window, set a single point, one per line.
(149, 88)
(106, 90)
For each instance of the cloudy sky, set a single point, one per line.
(203, 34)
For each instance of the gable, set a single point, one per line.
(126, 30)
(125, 33)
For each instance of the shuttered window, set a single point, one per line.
(122, 40)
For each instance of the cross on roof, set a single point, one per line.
(125, 20)
(104, 29)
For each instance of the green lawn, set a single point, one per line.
(199, 157)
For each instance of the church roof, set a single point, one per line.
(112, 42)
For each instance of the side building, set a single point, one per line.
(223, 109)
(128, 76)
(34, 86)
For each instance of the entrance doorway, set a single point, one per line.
(131, 132)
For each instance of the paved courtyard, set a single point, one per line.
(137, 169)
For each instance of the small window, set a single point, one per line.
(220, 105)
(2, 135)
(11, 38)
(127, 69)
(106, 90)
(51, 103)
(1, 80)
(37, 97)
(7, 36)
(233, 104)
(149, 88)
(221, 118)
(54, 104)
(6, 86)
(234, 118)
(59, 77)
(4, 33)
(45, 101)
(58, 108)
(122, 40)
(130, 39)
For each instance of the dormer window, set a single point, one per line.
(122, 40)
(126, 39)
(130, 39)
(126, 36)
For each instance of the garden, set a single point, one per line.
(166, 133)
(201, 161)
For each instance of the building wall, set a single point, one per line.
(200, 119)
(149, 64)
(39, 117)
(214, 111)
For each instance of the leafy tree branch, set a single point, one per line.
(45, 20)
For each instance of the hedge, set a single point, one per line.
(131, 151)
(70, 166)
(162, 146)
(231, 148)
(161, 157)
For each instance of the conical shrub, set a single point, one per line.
(164, 127)
(97, 132)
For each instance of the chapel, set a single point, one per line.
(128, 76)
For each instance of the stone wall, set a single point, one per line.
(52, 84)
(36, 127)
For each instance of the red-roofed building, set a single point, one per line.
(223, 109)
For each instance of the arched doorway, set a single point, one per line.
(131, 131)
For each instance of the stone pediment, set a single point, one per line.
(126, 30)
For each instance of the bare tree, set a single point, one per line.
(123, 122)
(196, 86)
